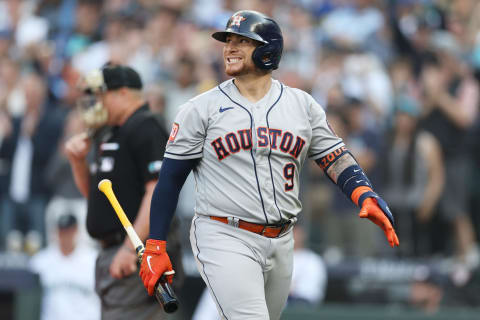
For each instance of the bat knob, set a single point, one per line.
(166, 296)
(104, 185)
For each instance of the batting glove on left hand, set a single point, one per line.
(155, 264)
(377, 211)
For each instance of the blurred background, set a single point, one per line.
(399, 80)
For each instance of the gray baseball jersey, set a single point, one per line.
(251, 153)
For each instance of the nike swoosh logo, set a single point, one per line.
(149, 265)
(356, 170)
(358, 181)
(224, 109)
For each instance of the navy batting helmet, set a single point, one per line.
(256, 26)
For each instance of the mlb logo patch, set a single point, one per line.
(174, 132)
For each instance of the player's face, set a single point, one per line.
(237, 55)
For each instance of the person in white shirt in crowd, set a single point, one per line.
(309, 279)
(66, 269)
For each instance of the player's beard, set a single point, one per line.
(239, 69)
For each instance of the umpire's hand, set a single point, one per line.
(124, 263)
(77, 147)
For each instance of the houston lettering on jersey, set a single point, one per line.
(233, 142)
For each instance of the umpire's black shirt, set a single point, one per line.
(129, 155)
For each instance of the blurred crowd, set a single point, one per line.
(399, 80)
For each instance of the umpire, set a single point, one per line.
(125, 144)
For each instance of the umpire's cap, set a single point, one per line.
(118, 76)
(110, 77)
(256, 26)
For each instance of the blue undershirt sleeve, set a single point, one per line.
(165, 196)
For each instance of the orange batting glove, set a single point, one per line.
(155, 264)
(378, 212)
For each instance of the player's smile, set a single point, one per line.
(232, 60)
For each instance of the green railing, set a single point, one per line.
(373, 312)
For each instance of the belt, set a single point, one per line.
(112, 239)
(266, 230)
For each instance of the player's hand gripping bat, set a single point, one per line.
(163, 291)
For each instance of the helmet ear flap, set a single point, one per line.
(266, 56)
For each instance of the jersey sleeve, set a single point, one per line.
(324, 139)
(148, 145)
(188, 133)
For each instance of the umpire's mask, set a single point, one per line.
(110, 77)
(94, 115)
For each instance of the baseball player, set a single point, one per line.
(246, 141)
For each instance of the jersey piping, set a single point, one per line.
(325, 150)
(270, 153)
(203, 266)
(251, 152)
(184, 154)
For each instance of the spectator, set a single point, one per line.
(65, 195)
(413, 178)
(349, 123)
(450, 98)
(365, 78)
(26, 152)
(27, 28)
(309, 278)
(350, 26)
(72, 42)
(183, 88)
(11, 94)
(5, 43)
(67, 270)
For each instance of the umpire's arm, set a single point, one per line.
(77, 148)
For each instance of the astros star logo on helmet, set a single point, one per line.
(236, 20)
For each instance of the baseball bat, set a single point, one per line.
(163, 291)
